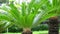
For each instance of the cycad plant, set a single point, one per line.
(28, 15)
(53, 21)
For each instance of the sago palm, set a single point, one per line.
(28, 15)
(53, 21)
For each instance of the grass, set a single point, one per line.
(35, 32)
(40, 32)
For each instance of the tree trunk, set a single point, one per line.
(27, 31)
(53, 25)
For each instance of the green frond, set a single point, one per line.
(36, 4)
(55, 3)
(30, 5)
(14, 10)
(24, 8)
(43, 18)
(29, 20)
(4, 17)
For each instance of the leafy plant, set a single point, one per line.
(28, 15)
(53, 21)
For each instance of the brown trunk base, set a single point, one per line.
(53, 25)
(29, 32)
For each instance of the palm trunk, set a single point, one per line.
(27, 31)
(53, 25)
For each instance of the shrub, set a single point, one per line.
(40, 27)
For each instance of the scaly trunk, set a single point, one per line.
(53, 25)
(27, 31)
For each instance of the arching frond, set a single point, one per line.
(43, 18)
